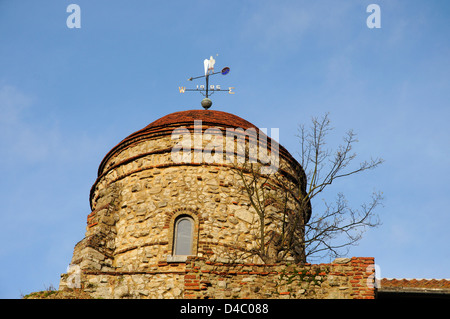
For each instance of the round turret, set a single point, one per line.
(173, 189)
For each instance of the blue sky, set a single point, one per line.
(67, 96)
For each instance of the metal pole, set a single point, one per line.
(207, 84)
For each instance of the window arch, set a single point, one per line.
(183, 236)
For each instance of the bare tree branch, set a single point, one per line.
(331, 231)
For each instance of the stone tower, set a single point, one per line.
(180, 190)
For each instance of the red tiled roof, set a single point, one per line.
(166, 124)
(416, 283)
(207, 117)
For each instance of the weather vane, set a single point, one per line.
(207, 89)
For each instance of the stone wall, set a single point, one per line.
(345, 278)
(139, 194)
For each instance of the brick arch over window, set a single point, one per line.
(172, 221)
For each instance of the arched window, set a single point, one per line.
(183, 236)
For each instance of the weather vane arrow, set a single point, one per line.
(207, 89)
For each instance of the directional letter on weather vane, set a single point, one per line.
(208, 89)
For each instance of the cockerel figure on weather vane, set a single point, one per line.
(208, 89)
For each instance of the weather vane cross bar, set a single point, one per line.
(208, 89)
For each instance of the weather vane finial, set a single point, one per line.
(208, 89)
